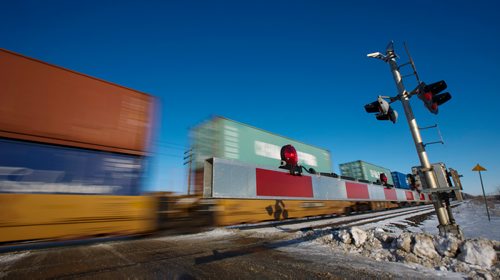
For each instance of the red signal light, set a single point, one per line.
(431, 96)
(289, 155)
(428, 99)
(383, 179)
(427, 96)
(290, 160)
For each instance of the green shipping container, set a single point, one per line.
(365, 171)
(228, 139)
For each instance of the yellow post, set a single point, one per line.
(479, 168)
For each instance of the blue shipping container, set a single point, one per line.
(400, 180)
(27, 167)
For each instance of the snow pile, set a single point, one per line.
(476, 258)
(479, 252)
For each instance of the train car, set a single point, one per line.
(362, 170)
(72, 152)
(237, 171)
(224, 138)
(246, 193)
(400, 180)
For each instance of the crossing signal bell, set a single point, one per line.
(383, 109)
(290, 160)
(431, 96)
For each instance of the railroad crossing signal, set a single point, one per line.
(290, 160)
(383, 179)
(431, 96)
(383, 109)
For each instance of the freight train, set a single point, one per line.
(72, 153)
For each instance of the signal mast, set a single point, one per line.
(432, 98)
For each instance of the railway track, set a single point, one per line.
(360, 219)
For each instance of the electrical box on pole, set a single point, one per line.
(457, 183)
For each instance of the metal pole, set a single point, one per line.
(189, 177)
(484, 195)
(444, 222)
(190, 157)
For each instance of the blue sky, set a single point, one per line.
(266, 62)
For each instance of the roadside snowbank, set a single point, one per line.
(476, 258)
(402, 240)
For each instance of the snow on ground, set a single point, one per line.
(321, 252)
(402, 241)
(212, 234)
(399, 240)
(472, 218)
(12, 257)
(396, 244)
(396, 225)
(9, 259)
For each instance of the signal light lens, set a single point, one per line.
(436, 87)
(431, 96)
(372, 107)
(383, 179)
(383, 110)
(289, 155)
(442, 98)
(427, 96)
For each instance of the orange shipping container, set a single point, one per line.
(45, 103)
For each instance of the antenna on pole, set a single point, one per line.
(412, 63)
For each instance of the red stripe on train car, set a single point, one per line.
(390, 194)
(409, 195)
(422, 196)
(274, 183)
(355, 190)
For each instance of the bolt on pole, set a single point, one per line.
(445, 225)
